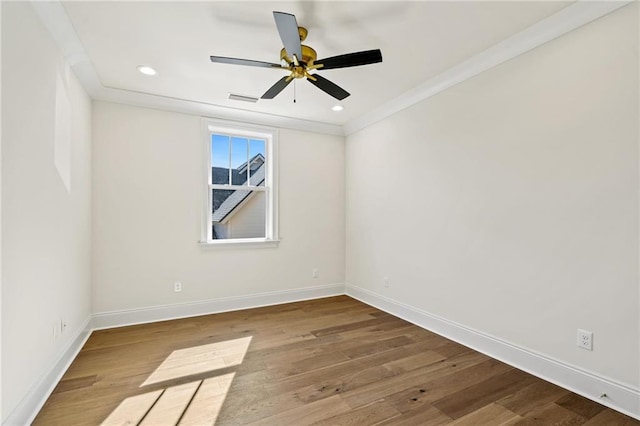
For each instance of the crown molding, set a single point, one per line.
(165, 103)
(55, 19)
(568, 19)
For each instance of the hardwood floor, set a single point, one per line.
(331, 361)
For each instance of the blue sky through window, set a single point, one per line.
(241, 150)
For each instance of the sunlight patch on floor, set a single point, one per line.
(200, 359)
(195, 403)
(206, 405)
(132, 410)
(169, 407)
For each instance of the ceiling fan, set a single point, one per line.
(301, 60)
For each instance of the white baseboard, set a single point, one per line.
(618, 396)
(33, 401)
(26, 411)
(184, 310)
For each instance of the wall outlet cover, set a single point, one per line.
(585, 339)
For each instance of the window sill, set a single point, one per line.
(239, 243)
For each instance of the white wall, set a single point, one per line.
(46, 229)
(509, 203)
(147, 198)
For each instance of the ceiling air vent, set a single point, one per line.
(243, 98)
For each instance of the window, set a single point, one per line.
(240, 190)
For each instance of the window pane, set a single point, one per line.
(239, 153)
(238, 214)
(220, 159)
(257, 158)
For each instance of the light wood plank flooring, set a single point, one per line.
(332, 361)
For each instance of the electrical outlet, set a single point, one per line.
(315, 273)
(585, 339)
(177, 287)
(386, 281)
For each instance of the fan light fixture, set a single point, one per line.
(147, 70)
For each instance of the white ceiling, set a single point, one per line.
(419, 41)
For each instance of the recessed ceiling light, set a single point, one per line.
(337, 108)
(147, 70)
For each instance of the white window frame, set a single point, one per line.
(270, 136)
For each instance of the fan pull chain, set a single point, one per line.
(294, 91)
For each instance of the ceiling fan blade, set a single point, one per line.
(248, 62)
(350, 60)
(329, 87)
(277, 88)
(288, 30)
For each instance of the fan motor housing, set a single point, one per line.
(308, 56)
